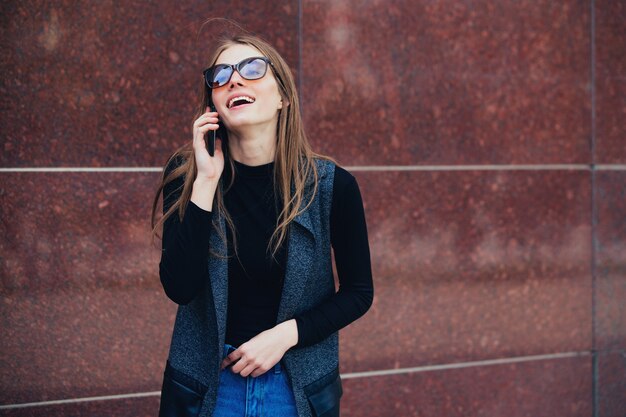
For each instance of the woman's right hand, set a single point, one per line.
(209, 167)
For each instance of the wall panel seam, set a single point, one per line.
(350, 375)
(362, 168)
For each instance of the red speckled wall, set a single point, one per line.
(488, 140)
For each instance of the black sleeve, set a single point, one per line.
(352, 258)
(184, 258)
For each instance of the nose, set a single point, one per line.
(236, 78)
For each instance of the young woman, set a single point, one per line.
(247, 236)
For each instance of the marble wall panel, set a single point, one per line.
(610, 287)
(85, 230)
(548, 388)
(136, 407)
(611, 384)
(447, 82)
(468, 265)
(610, 257)
(73, 343)
(473, 265)
(81, 306)
(610, 65)
(539, 388)
(109, 83)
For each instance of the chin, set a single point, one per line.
(245, 120)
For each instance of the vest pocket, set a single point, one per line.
(324, 395)
(181, 395)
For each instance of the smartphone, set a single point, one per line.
(209, 137)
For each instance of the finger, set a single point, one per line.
(213, 116)
(204, 129)
(205, 124)
(239, 366)
(226, 363)
(248, 370)
(231, 358)
(209, 126)
(203, 120)
(258, 372)
(205, 116)
(237, 358)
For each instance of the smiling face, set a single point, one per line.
(243, 103)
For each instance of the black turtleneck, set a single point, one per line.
(255, 278)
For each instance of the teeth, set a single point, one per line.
(234, 99)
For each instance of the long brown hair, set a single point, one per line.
(294, 161)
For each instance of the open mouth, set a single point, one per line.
(239, 101)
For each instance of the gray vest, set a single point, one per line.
(200, 327)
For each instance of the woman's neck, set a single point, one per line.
(253, 147)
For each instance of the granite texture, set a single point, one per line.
(136, 407)
(113, 84)
(77, 230)
(82, 311)
(73, 343)
(472, 265)
(448, 82)
(547, 388)
(485, 262)
(610, 257)
(468, 265)
(611, 384)
(610, 44)
(610, 292)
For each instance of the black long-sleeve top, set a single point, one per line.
(255, 278)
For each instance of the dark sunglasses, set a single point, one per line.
(250, 69)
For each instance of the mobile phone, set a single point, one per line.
(209, 137)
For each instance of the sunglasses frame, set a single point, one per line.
(236, 67)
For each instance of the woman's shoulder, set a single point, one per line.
(344, 180)
(341, 177)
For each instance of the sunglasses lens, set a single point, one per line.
(250, 69)
(253, 69)
(220, 75)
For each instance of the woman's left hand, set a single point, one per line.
(263, 351)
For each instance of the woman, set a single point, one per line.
(247, 236)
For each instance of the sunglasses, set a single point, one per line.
(250, 69)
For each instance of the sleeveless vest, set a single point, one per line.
(192, 370)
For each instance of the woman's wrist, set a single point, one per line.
(203, 193)
(289, 329)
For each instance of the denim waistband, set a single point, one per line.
(230, 348)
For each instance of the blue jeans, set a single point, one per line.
(268, 395)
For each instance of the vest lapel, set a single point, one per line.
(300, 250)
(218, 267)
(300, 257)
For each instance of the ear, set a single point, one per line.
(283, 103)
